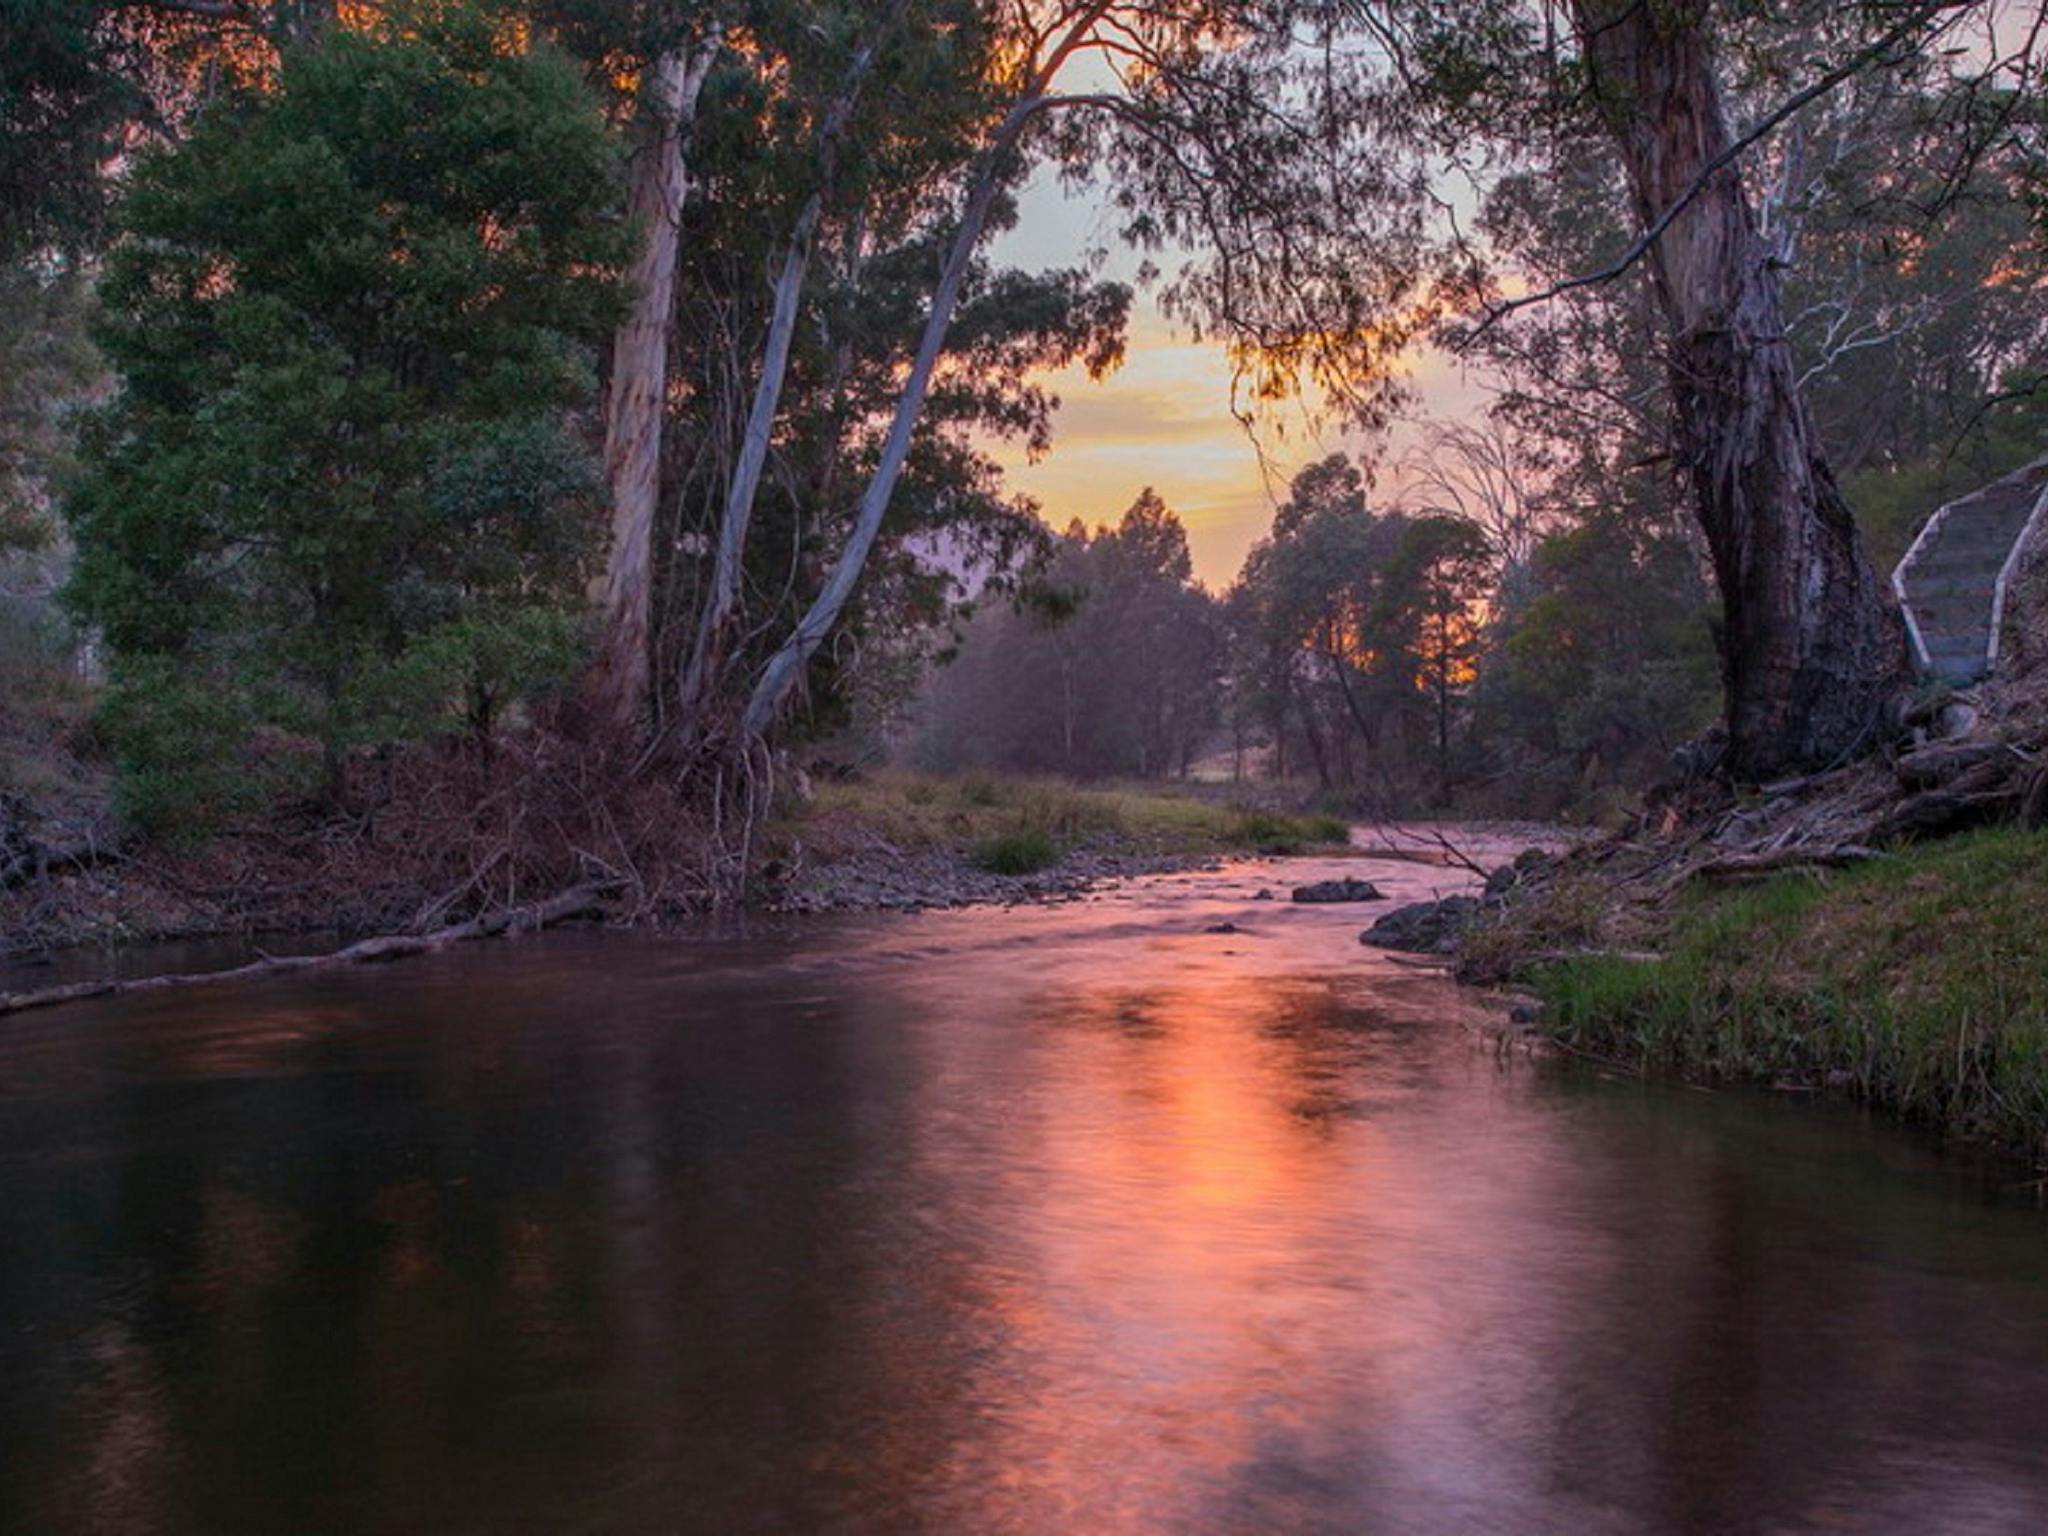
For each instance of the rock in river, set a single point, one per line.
(1424, 927)
(1338, 890)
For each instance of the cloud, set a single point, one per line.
(1163, 419)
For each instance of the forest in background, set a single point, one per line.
(535, 406)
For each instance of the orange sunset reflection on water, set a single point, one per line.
(1172, 1210)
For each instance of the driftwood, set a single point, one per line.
(1935, 812)
(391, 946)
(24, 857)
(1434, 857)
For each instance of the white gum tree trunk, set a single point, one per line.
(704, 670)
(787, 665)
(639, 376)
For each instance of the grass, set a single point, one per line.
(1020, 825)
(1918, 983)
(1017, 853)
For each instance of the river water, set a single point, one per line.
(1059, 1219)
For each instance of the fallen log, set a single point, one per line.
(578, 902)
(1937, 812)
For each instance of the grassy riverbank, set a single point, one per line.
(1917, 983)
(909, 839)
(983, 813)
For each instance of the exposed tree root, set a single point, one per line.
(391, 946)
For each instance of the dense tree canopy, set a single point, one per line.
(349, 315)
(457, 351)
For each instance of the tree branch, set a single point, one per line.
(1647, 240)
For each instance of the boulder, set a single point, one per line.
(1328, 891)
(1423, 927)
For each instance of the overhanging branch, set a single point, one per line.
(1643, 243)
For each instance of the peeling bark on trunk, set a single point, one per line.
(1812, 649)
(639, 379)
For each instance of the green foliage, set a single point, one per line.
(1355, 635)
(922, 811)
(46, 362)
(1022, 852)
(184, 749)
(337, 494)
(1892, 502)
(1607, 660)
(1269, 832)
(1919, 983)
(60, 99)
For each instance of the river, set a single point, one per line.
(1076, 1218)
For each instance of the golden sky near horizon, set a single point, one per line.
(1163, 419)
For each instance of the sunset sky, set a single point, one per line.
(1163, 419)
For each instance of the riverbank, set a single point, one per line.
(907, 841)
(434, 849)
(1915, 981)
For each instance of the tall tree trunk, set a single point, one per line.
(787, 665)
(1811, 648)
(639, 376)
(779, 678)
(707, 655)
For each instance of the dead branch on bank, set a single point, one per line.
(579, 902)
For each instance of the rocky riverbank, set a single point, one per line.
(887, 878)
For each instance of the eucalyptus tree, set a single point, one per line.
(1812, 650)
(952, 525)
(1489, 473)
(1186, 101)
(1311, 610)
(703, 672)
(1440, 576)
(676, 48)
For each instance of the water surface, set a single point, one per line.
(1068, 1219)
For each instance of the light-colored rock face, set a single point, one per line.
(1952, 580)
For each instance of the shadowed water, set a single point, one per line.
(1071, 1219)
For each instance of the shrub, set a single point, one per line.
(1017, 853)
